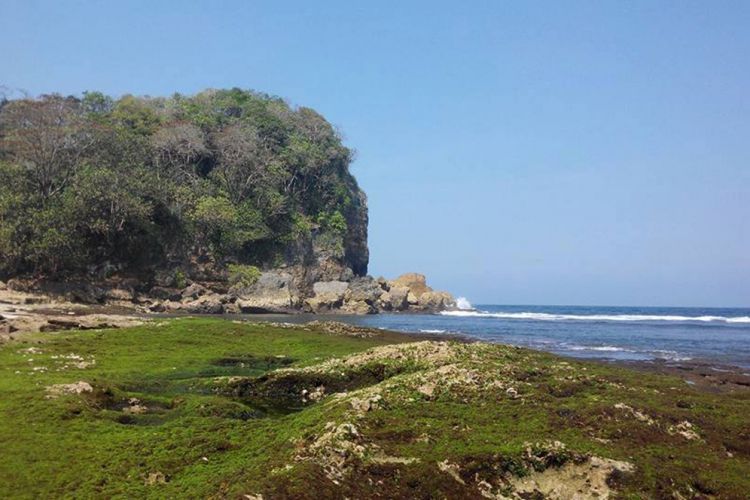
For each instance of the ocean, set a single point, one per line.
(711, 335)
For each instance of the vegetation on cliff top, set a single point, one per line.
(204, 408)
(138, 183)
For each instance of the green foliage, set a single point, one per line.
(333, 222)
(135, 116)
(234, 175)
(96, 103)
(301, 227)
(180, 280)
(242, 275)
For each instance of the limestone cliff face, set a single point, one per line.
(321, 257)
(356, 253)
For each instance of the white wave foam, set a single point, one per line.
(464, 304)
(595, 317)
(604, 348)
(654, 353)
(669, 355)
(432, 331)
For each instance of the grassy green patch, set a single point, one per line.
(196, 408)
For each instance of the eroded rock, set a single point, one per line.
(57, 390)
(274, 291)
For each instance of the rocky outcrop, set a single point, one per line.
(366, 295)
(410, 291)
(274, 292)
(328, 296)
(287, 290)
(437, 301)
(415, 282)
(363, 296)
(395, 299)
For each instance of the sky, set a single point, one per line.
(541, 152)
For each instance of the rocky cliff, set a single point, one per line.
(227, 200)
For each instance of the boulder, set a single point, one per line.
(7, 328)
(329, 295)
(395, 299)
(54, 325)
(415, 282)
(383, 283)
(88, 295)
(168, 306)
(18, 285)
(363, 290)
(321, 304)
(164, 293)
(194, 291)
(207, 304)
(3, 286)
(165, 278)
(384, 304)
(232, 308)
(358, 307)
(157, 307)
(274, 292)
(337, 288)
(119, 294)
(436, 301)
(74, 291)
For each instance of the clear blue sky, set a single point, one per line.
(515, 152)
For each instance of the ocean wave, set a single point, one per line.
(464, 304)
(669, 355)
(652, 353)
(428, 330)
(537, 316)
(604, 348)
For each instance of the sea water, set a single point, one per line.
(714, 335)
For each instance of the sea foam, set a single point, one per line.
(537, 316)
(464, 304)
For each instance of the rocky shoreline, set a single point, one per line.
(22, 313)
(28, 306)
(38, 305)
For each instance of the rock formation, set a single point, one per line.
(277, 292)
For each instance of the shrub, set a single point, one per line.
(242, 275)
(180, 280)
(333, 222)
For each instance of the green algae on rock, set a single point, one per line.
(197, 408)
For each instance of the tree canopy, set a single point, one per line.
(226, 176)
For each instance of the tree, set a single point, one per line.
(179, 148)
(48, 138)
(232, 175)
(243, 160)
